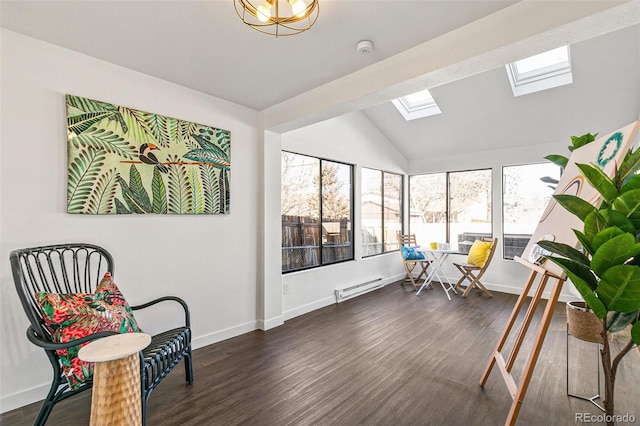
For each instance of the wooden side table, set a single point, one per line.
(116, 397)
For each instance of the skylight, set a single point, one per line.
(416, 105)
(540, 72)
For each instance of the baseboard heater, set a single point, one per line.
(346, 293)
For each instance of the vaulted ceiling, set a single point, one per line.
(455, 48)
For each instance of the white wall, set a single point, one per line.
(351, 139)
(207, 260)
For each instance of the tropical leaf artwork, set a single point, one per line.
(125, 161)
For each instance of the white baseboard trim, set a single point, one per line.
(227, 333)
(509, 289)
(270, 323)
(318, 304)
(309, 307)
(24, 397)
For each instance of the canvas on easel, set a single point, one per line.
(555, 224)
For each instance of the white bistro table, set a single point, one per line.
(438, 258)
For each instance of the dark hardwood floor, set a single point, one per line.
(386, 358)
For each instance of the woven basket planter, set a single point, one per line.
(583, 323)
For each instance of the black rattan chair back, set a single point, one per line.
(62, 268)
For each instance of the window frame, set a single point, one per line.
(448, 197)
(543, 78)
(322, 263)
(382, 208)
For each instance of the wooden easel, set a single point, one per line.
(518, 391)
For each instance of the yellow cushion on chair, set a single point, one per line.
(479, 253)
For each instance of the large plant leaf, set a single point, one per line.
(105, 140)
(580, 141)
(629, 166)
(558, 160)
(617, 321)
(614, 252)
(180, 193)
(564, 250)
(600, 181)
(635, 333)
(103, 193)
(631, 184)
(159, 193)
(84, 168)
(575, 205)
(617, 219)
(619, 288)
(628, 204)
(586, 242)
(604, 236)
(585, 281)
(594, 223)
(585, 291)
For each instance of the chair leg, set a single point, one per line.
(459, 283)
(188, 367)
(409, 270)
(43, 414)
(49, 402)
(483, 289)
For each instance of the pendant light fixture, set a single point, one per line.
(278, 17)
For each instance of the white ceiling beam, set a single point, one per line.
(523, 29)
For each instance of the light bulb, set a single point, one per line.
(298, 7)
(264, 11)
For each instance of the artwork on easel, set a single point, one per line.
(556, 223)
(126, 161)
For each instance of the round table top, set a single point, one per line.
(114, 347)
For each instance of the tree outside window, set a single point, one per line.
(381, 211)
(316, 212)
(452, 207)
(524, 199)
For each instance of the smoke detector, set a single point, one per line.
(365, 46)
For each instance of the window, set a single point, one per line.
(417, 105)
(316, 211)
(452, 207)
(524, 198)
(381, 207)
(540, 72)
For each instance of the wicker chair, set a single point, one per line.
(78, 268)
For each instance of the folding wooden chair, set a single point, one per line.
(411, 260)
(478, 262)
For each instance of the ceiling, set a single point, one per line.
(203, 45)
(300, 79)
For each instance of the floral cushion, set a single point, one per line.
(72, 316)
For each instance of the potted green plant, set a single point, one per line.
(606, 272)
